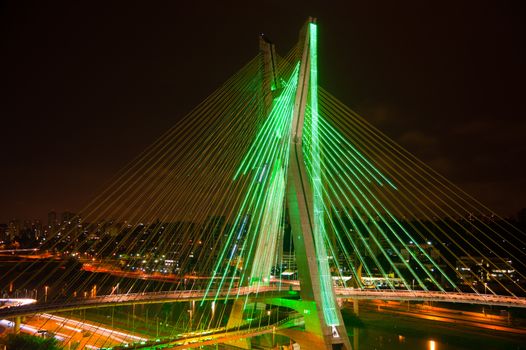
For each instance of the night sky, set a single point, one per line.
(87, 85)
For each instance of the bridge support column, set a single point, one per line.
(356, 338)
(356, 307)
(18, 321)
(236, 314)
(315, 336)
(235, 320)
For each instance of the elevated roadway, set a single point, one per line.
(254, 294)
(418, 295)
(29, 309)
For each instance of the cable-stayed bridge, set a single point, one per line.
(270, 164)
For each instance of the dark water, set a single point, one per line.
(379, 331)
(374, 339)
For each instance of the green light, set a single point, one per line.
(264, 192)
(353, 165)
(266, 155)
(327, 297)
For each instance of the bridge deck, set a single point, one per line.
(139, 298)
(253, 293)
(447, 297)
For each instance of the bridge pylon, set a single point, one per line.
(303, 195)
(323, 320)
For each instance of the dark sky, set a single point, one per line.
(88, 85)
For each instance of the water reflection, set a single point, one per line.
(375, 339)
(367, 339)
(431, 345)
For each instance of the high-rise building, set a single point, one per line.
(67, 218)
(3, 233)
(13, 230)
(51, 218)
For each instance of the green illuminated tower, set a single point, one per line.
(285, 164)
(305, 204)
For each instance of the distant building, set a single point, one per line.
(4, 229)
(213, 232)
(13, 231)
(475, 269)
(52, 219)
(52, 224)
(67, 218)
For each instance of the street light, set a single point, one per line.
(191, 314)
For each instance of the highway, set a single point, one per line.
(70, 332)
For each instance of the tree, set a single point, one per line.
(29, 342)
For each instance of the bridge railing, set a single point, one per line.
(129, 298)
(428, 295)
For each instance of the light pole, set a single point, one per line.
(133, 317)
(191, 314)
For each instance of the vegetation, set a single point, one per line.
(29, 342)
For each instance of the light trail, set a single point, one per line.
(16, 302)
(30, 329)
(73, 324)
(70, 328)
